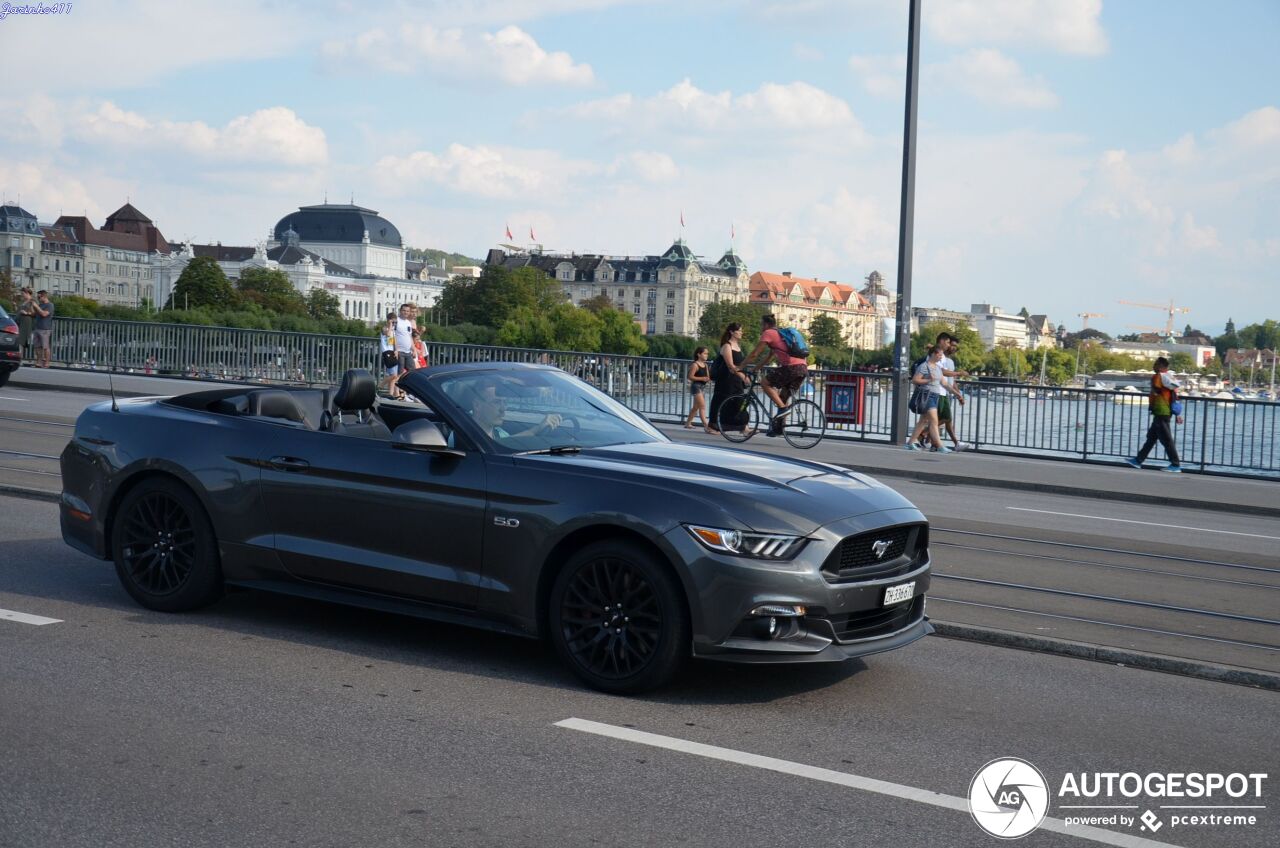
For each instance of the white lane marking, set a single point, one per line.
(24, 618)
(6, 397)
(840, 778)
(1148, 523)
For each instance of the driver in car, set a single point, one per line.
(489, 411)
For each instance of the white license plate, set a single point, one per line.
(898, 594)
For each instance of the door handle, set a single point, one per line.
(288, 463)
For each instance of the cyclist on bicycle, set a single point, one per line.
(785, 380)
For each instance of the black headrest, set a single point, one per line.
(358, 391)
(236, 405)
(274, 403)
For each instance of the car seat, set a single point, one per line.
(353, 408)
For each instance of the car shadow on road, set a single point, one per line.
(42, 568)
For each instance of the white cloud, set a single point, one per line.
(795, 110)
(275, 135)
(509, 55)
(1258, 129)
(806, 52)
(47, 190)
(484, 171)
(649, 166)
(991, 77)
(1066, 26)
(882, 76)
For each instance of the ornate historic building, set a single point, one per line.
(119, 258)
(796, 301)
(665, 294)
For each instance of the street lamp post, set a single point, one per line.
(906, 223)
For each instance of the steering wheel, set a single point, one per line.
(571, 423)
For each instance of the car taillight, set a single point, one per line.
(9, 328)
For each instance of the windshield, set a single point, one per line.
(539, 409)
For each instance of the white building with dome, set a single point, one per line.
(349, 251)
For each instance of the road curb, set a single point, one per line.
(1114, 656)
(79, 390)
(29, 494)
(1069, 491)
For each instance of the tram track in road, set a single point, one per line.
(1169, 601)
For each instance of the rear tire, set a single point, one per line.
(618, 619)
(164, 548)
(4, 376)
(804, 425)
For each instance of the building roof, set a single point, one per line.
(53, 233)
(15, 219)
(343, 223)
(291, 254)
(223, 253)
(767, 287)
(134, 231)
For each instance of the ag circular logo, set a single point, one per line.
(1008, 798)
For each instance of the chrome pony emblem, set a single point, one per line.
(880, 547)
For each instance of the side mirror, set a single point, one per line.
(423, 436)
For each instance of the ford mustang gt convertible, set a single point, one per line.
(513, 497)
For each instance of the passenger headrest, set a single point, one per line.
(274, 403)
(357, 392)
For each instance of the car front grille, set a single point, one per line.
(868, 624)
(855, 558)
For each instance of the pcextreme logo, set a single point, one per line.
(1008, 798)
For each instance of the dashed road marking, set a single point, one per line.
(840, 778)
(1140, 521)
(27, 618)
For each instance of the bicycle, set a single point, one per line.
(741, 416)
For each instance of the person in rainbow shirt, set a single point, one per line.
(1163, 405)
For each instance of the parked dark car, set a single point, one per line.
(10, 352)
(513, 497)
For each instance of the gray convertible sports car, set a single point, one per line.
(514, 497)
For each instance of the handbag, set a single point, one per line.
(389, 359)
(917, 402)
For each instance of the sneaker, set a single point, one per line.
(944, 449)
(1173, 469)
(911, 446)
(1134, 462)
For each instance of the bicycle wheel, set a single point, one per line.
(740, 417)
(804, 425)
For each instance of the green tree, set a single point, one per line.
(8, 291)
(824, 331)
(574, 328)
(1264, 336)
(202, 283)
(598, 304)
(716, 316)
(619, 333)
(672, 346)
(971, 353)
(1089, 334)
(271, 289)
(493, 297)
(321, 305)
(75, 306)
(1024, 313)
(1181, 362)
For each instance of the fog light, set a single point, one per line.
(781, 610)
(768, 628)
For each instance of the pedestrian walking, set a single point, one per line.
(699, 376)
(1163, 404)
(931, 386)
(420, 357)
(43, 332)
(26, 321)
(949, 374)
(728, 376)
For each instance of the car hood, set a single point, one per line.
(765, 493)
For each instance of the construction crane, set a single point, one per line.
(1169, 310)
(1087, 315)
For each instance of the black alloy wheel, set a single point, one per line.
(164, 548)
(618, 618)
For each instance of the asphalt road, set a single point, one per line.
(268, 720)
(1198, 585)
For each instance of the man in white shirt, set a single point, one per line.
(404, 339)
(949, 379)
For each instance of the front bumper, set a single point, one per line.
(845, 618)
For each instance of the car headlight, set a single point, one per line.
(773, 546)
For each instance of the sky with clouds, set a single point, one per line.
(1071, 153)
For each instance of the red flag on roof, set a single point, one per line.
(532, 237)
(682, 217)
(732, 235)
(509, 236)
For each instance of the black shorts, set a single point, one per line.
(787, 379)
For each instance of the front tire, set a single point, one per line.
(164, 548)
(740, 417)
(618, 618)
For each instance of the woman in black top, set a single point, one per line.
(733, 381)
(699, 376)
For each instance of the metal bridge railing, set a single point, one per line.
(1220, 435)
